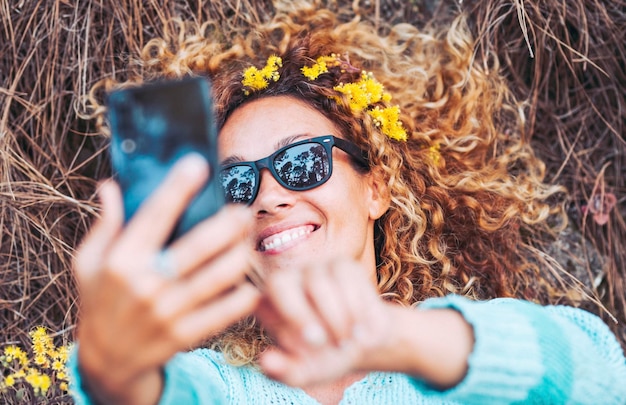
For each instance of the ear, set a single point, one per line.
(380, 199)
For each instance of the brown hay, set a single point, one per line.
(51, 159)
(566, 58)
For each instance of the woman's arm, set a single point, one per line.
(534, 354)
(499, 351)
(134, 319)
(188, 379)
(434, 345)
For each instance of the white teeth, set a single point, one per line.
(280, 240)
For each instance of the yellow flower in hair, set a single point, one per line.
(255, 79)
(320, 66)
(372, 87)
(388, 120)
(363, 93)
(314, 71)
(358, 99)
(435, 155)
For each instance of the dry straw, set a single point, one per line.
(566, 58)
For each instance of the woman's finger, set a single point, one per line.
(360, 297)
(285, 292)
(327, 298)
(204, 284)
(309, 368)
(210, 238)
(91, 254)
(215, 316)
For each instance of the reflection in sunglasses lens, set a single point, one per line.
(238, 183)
(302, 166)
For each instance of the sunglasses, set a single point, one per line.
(299, 166)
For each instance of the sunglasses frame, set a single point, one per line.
(326, 141)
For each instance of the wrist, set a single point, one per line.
(145, 389)
(432, 345)
(383, 344)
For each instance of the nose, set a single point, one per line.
(271, 197)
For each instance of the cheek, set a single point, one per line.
(349, 198)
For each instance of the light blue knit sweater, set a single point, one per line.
(523, 353)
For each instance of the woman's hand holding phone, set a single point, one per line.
(135, 318)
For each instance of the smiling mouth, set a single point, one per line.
(285, 238)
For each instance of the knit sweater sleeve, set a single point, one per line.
(189, 379)
(527, 353)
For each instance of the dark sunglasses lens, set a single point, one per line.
(239, 183)
(302, 166)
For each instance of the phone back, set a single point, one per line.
(152, 127)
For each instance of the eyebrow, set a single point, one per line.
(280, 144)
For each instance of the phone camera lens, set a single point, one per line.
(128, 146)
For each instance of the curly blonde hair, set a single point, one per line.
(468, 194)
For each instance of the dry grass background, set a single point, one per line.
(566, 58)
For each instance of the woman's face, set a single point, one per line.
(295, 228)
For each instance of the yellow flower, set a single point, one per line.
(14, 353)
(39, 334)
(358, 98)
(367, 92)
(314, 71)
(10, 351)
(9, 380)
(42, 360)
(388, 120)
(42, 342)
(58, 365)
(64, 386)
(372, 87)
(434, 154)
(363, 93)
(255, 79)
(61, 354)
(320, 66)
(39, 348)
(39, 382)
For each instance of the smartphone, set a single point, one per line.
(154, 125)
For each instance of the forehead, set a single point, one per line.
(255, 129)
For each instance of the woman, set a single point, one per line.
(355, 208)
